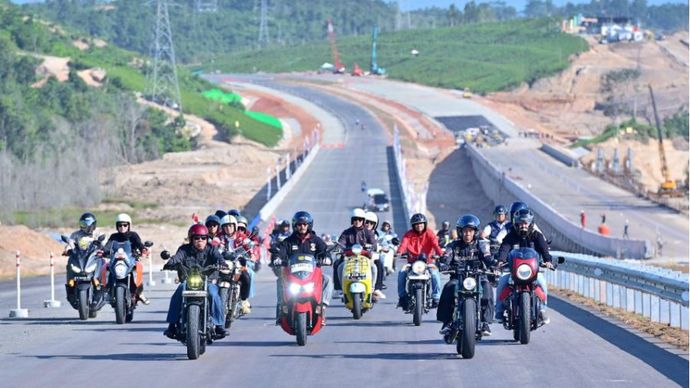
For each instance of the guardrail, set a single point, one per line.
(656, 293)
(400, 170)
(565, 234)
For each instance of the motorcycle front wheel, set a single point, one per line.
(357, 305)
(83, 305)
(466, 341)
(193, 334)
(120, 305)
(301, 329)
(418, 307)
(524, 322)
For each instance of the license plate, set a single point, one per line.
(82, 278)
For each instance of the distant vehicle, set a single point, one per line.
(467, 93)
(377, 201)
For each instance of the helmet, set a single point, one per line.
(515, 207)
(228, 219)
(123, 217)
(357, 213)
(386, 222)
(221, 213)
(418, 218)
(284, 223)
(241, 220)
(523, 221)
(302, 216)
(234, 212)
(500, 209)
(468, 220)
(445, 224)
(197, 230)
(87, 223)
(371, 217)
(210, 219)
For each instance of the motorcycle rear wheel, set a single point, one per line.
(357, 305)
(193, 335)
(301, 329)
(524, 322)
(467, 339)
(83, 305)
(120, 305)
(418, 307)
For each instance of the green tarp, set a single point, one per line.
(222, 97)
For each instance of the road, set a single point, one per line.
(53, 348)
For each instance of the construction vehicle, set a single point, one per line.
(374, 68)
(357, 71)
(339, 68)
(668, 186)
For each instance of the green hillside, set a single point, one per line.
(484, 57)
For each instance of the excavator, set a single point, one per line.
(668, 187)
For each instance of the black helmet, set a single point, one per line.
(284, 223)
(87, 223)
(234, 212)
(418, 218)
(500, 209)
(302, 216)
(210, 219)
(522, 217)
(445, 224)
(515, 207)
(221, 213)
(468, 220)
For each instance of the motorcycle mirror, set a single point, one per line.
(101, 237)
(148, 244)
(165, 255)
(561, 259)
(64, 239)
(255, 231)
(395, 241)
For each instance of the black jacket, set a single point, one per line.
(459, 249)
(310, 244)
(187, 255)
(130, 236)
(363, 237)
(534, 239)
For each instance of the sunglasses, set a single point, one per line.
(212, 225)
(197, 238)
(298, 225)
(358, 220)
(122, 224)
(370, 222)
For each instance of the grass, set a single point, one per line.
(482, 57)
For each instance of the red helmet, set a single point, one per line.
(197, 230)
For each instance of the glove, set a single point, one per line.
(443, 266)
(548, 265)
(277, 263)
(168, 267)
(326, 261)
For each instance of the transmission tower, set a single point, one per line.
(163, 86)
(263, 24)
(206, 5)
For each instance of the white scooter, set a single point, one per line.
(388, 244)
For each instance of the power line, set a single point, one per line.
(162, 83)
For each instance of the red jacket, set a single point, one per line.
(416, 243)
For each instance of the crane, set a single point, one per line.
(668, 186)
(339, 67)
(375, 69)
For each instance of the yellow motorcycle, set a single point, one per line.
(357, 281)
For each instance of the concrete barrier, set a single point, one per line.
(563, 156)
(564, 234)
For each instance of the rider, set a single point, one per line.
(197, 251)
(255, 253)
(213, 225)
(356, 234)
(523, 234)
(230, 240)
(303, 240)
(386, 228)
(443, 235)
(419, 240)
(467, 247)
(371, 220)
(123, 225)
(496, 230)
(87, 228)
(281, 231)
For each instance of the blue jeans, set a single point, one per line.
(435, 283)
(503, 283)
(217, 313)
(250, 271)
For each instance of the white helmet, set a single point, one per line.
(357, 213)
(372, 217)
(228, 219)
(123, 217)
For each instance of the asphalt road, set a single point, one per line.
(53, 348)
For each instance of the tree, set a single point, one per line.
(453, 15)
(535, 8)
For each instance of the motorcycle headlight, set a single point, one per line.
(295, 288)
(419, 267)
(75, 269)
(91, 267)
(524, 272)
(469, 284)
(356, 249)
(308, 288)
(194, 282)
(120, 270)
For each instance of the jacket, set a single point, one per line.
(187, 255)
(362, 236)
(460, 250)
(308, 244)
(417, 243)
(534, 238)
(132, 237)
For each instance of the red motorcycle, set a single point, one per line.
(523, 294)
(301, 305)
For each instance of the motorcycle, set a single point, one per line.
(465, 329)
(357, 281)
(388, 245)
(84, 289)
(229, 284)
(523, 294)
(122, 284)
(195, 328)
(301, 308)
(418, 288)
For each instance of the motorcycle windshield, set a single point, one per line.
(115, 250)
(302, 265)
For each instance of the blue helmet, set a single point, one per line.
(221, 213)
(523, 221)
(87, 223)
(302, 216)
(212, 218)
(515, 207)
(234, 212)
(468, 220)
(500, 209)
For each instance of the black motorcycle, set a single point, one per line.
(229, 284)
(84, 289)
(121, 286)
(418, 288)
